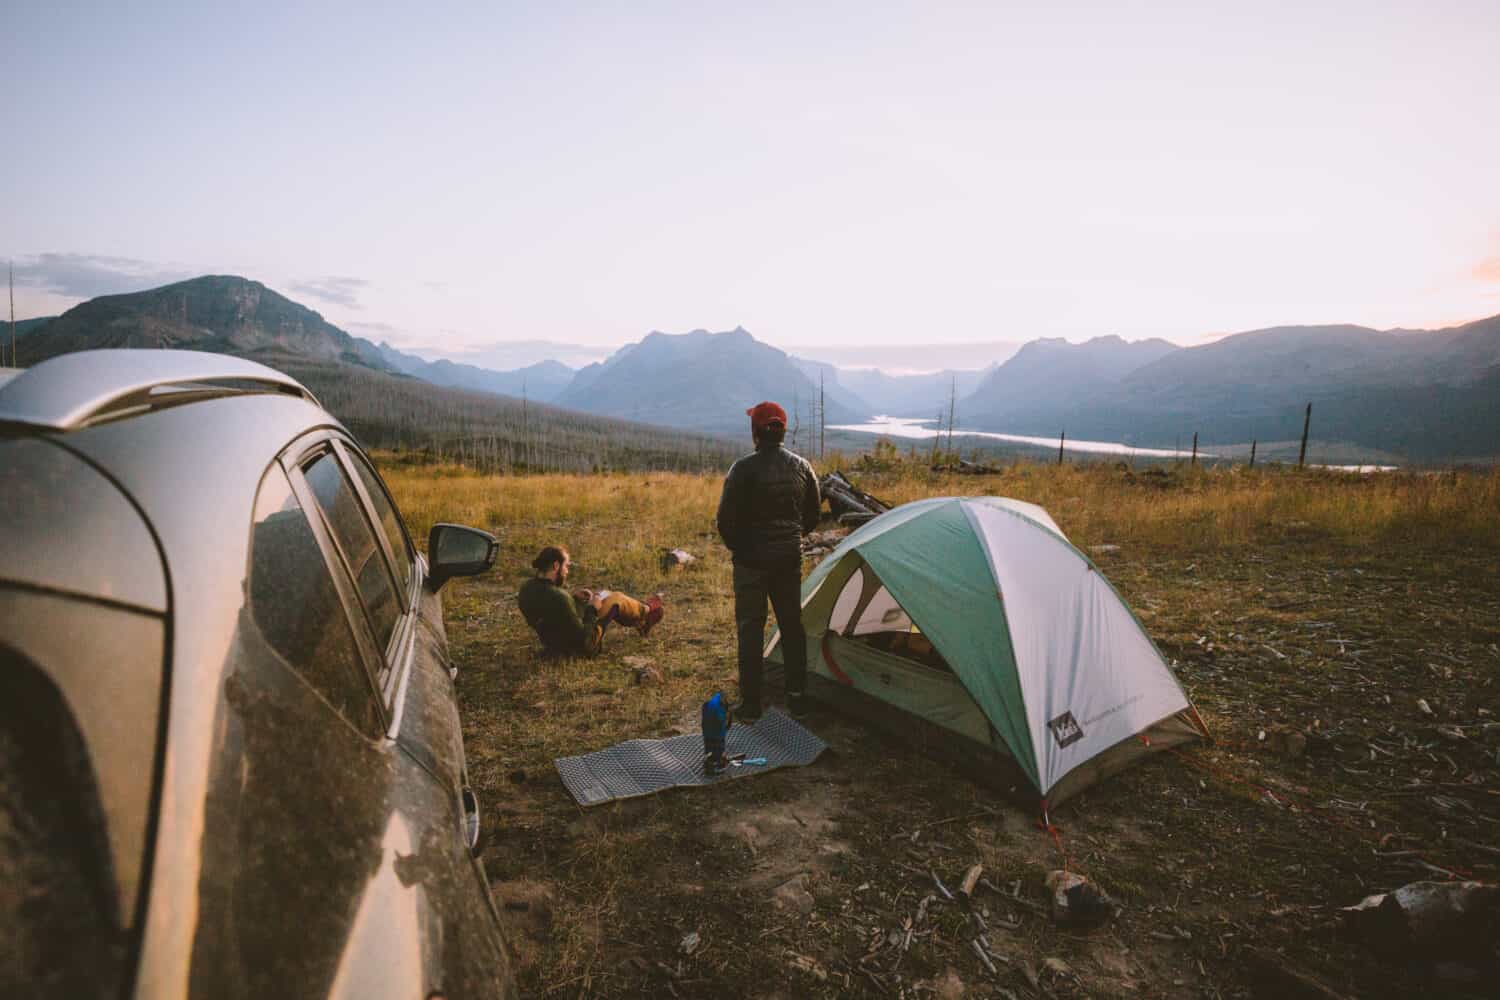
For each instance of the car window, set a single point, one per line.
(341, 508)
(296, 607)
(386, 514)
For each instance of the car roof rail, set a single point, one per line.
(74, 390)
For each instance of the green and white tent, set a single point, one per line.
(973, 624)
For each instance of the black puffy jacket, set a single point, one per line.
(770, 501)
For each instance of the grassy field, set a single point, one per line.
(1311, 603)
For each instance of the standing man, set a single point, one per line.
(770, 501)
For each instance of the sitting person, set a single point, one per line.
(573, 624)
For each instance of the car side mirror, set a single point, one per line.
(454, 550)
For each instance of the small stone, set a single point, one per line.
(793, 895)
(949, 987)
(1286, 741)
(1422, 704)
(1077, 902)
(809, 965)
(1057, 966)
(645, 669)
(690, 942)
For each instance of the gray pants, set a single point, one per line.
(753, 587)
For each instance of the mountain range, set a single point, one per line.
(1048, 370)
(699, 380)
(542, 381)
(1423, 395)
(872, 391)
(366, 387)
(1427, 395)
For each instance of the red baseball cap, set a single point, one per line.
(766, 414)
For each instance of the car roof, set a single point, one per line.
(74, 390)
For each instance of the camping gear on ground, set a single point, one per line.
(644, 767)
(1038, 673)
(716, 723)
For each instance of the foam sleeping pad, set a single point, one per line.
(644, 767)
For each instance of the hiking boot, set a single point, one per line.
(797, 704)
(748, 715)
(654, 612)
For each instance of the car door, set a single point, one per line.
(301, 792)
(421, 696)
(433, 868)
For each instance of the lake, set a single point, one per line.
(903, 427)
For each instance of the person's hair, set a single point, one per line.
(770, 435)
(545, 558)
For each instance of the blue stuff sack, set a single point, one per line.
(716, 723)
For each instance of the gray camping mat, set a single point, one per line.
(644, 767)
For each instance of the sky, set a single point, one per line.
(449, 177)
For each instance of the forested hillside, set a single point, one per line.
(490, 432)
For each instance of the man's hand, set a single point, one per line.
(583, 595)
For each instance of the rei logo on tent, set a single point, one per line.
(1065, 730)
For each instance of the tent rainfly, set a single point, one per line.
(972, 625)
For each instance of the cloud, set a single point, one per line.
(1488, 270)
(85, 276)
(339, 291)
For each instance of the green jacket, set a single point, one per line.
(554, 614)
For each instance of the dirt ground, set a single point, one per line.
(1351, 689)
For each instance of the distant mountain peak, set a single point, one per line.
(215, 312)
(698, 379)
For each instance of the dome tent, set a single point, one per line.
(975, 626)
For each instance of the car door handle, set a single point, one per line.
(471, 821)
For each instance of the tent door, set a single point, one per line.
(935, 695)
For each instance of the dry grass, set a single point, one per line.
(1319, 602)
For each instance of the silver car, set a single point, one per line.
(230, 755)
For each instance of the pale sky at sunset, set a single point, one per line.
(819, 174)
